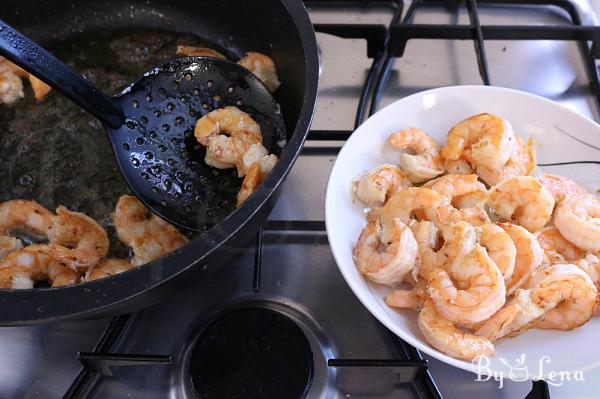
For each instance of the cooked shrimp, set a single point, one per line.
(76, 239)
(263, 67)
(192, 51)
(524, 200)
(500, 248)
(578, 219)
(376, 186)
(24, 214)
(256, 174)
(567, 292)
(468, 197)
(106, 268)
(458, 167)
(522, 162)
(149, 236)
(408, 299)
(426, 163)
(483, 139)
(560, 186)
(403, 204)
(529, 255)
(11, 87)
(556, 248)
(228, 133)
(40, 89)
(20, 269)
(386, 253)
(518, 315)
(445, 337)
(9, 244)
(254, 153)
(471, 290)
(590, 264)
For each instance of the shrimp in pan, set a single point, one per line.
(25, 215)
(386, 253)
(426, 163)
(192, 51)
(578, 220)
(255, 176)
(443, 335)
(263, 67)
(21, 269)
(483, 139)
(376, 186)
(522, 200)
(106, 268)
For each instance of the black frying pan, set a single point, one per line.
(279, 28)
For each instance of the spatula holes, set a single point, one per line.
(130, 125)
(140, 141)
(179, 120)
(156, 169)
(175, 141)
(183, 99)
(170, 106)
(149, 98)
(188, 76)
(188, 134)
(149, 155)
(162, 148)
(153, 135)
(135, 104)
(180, 176)
(217, 97)
(209, 83)
(192, 112)
(171, 162)
(187, 209)
(164, 203)
(189, 187)
(175, 84)
(196, 92)
(145, 176)
(166, 127)
(157, 113)
(154, 190)
(168, 183)
(239, 102)
(205, 105)
(177, 196)
(126, 147)
(231, 88)
(162, 91)
(135, 161)
(144, 120)
(184, 154)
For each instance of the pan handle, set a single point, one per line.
(34, 59)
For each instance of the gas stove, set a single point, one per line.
(279, 320)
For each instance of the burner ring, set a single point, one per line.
(251, 353)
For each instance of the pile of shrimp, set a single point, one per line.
(471, 239)
(71, 247)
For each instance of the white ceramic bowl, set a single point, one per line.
(561, 135)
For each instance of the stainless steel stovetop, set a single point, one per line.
(298, 276)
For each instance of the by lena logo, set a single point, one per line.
(517, 370)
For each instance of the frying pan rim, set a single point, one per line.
(54, 303)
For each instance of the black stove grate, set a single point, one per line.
(384, 45)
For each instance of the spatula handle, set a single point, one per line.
(39, 62)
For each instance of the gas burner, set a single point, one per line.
(251, 353)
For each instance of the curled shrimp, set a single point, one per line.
(523, 200)
(568, 294)
(107, 268)
(20, 269)
(518, 315)
(560, 186)
(522, 162)
(403, 204)
(578, 220)
(500, 247)
(467, 199)
(376, 186)
(471, 290)
(11, 87)
(40, 89)
(556, 248)
(529, 255)
(255, 175)
(408, 299)
(76, 239)
(263, 67)
(192, 51)
(227, 133)
(149, 236)
(444, 336)
(483, 139)
(25, 215)
(590, 264)
(9, 244)
(386, 253)
(458, 167)
(426, 163)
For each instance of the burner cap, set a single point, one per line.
(252, 353)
